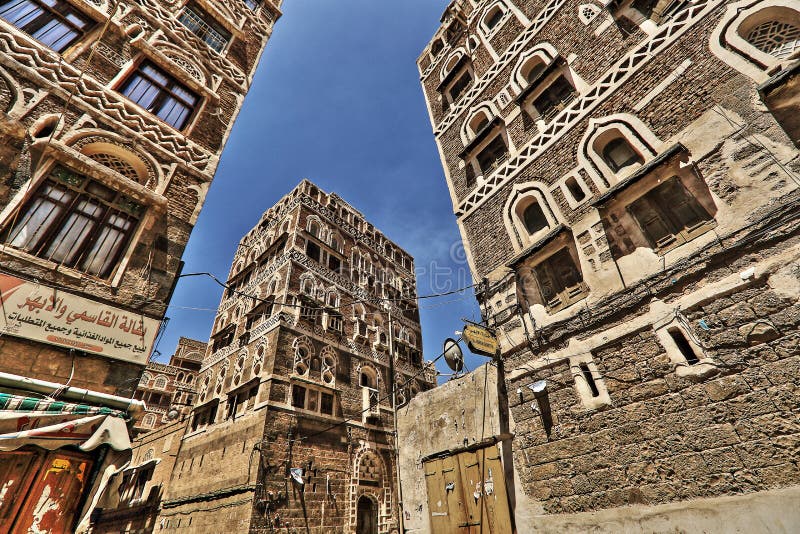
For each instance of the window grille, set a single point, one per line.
(77, 222)
(54, 23)
(117, 164)
(200, 24)
(779, 39)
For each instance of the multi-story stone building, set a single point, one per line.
(168, 389)
(293, 424)
(625, 178)
(114, 115)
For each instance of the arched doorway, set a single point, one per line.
(367, 516)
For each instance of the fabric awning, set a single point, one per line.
(52, 424)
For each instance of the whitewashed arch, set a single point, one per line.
(540, 192)
(451, 61)
(636, 132)
(728, 40)
(543, 51)
(487, 108)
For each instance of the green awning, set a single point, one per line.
(16, 403)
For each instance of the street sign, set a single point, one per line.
(480, 340)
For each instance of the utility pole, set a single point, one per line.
(393, 393)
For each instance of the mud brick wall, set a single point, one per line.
(665, 438)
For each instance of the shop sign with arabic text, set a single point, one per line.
(53, 316)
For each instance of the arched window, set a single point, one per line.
(189, 379)
(618, 153)
(479, 121)
(160, 383)
(145, 379)
(778, 38)
(221, 376)
(302, 356)
(239, 370)
(368, 378)
(493, 17)
(533, 217)
(313, 228)
(180, 377)
(532, 68)
(204, 388)
(258, 360)
(436, 47)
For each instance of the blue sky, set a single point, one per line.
(336, 99)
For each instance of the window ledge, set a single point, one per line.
(703, 369)
(557, 62)
(537, 246)
(480, 136)
(640, 173)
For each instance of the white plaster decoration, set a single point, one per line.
(629, 127)
(543, 52)
(666, 82)
(588, 12)
(498, 66)
(756, 36)
(94, 99)
(469, 129)
(605, 86)
(490, 11)
(503, 98)
(515, 227)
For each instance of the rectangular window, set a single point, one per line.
(313, 251)
(203, 26)
(252, 4)
(223, 338)
(298, 397)
(335, 322)
(54, 23)
(669, 215)
(326, 404)
(560, 281)
(492, 155)
(160, 94)
(457, 89)
(334, 263)
(76, 222)
(553, 99)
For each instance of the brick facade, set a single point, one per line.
(297, 377)
(638, 240)
(172, 386)
(65, 108)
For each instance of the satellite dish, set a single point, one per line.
(453, 355)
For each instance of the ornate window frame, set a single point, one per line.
(728, 43)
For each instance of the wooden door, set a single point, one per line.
(50, 487)
(467, 493)
(17, 472)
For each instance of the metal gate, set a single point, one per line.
(467, 493)
(40, 490)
